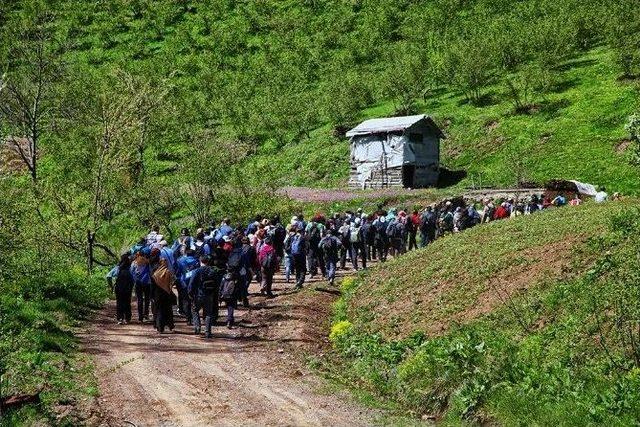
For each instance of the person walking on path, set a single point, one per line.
(330, 245)
(299, 253)
(204, 288)
(268, 263)
(142, 277)
(122, 288)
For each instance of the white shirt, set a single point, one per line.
(601, 196)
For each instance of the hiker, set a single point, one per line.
(224, 230)
(203, 289)
(183, 242)
(395, 235)
(381, 240)
(412, 225)
(288, 257)
(268, 264)
(559, 200)
(200, 246)
(278, 234)
(152, 236)
(445, 223)
(314, 232)
(186, 266)
(299, 253)
(501, 212)
(122, 288)
(427, 227)
(358, 244)
(231, 283)
(162, 280)
(248, 267)
(330, 246)
(344, 235)
(142, 279)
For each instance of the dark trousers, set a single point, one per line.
(143, 295)
(300, 264)
(185, 305)
(267, 280)
(163, 310)
(315, 259)
(208, 303)
(123, 304)
(413, 244)
(344, 250)
(231, 307)
(358, 249)
(381, 249)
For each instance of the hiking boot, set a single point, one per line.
(120, 322)
(229, 325)
(208, 335)
(245, 302)
(196, 331)
(270, 295)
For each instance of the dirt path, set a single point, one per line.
(249, 375)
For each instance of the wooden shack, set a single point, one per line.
(395, 152)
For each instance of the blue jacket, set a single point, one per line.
(167, 254)
(223, 230)
(141, 273)
(186, 267)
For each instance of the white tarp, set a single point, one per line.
(586, 189)
(376, 152)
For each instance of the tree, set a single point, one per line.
(32, 67)
(633, 127)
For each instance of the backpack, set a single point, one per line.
(287, 244)
(330, 247)
(354, 237)
(314, 234)
(209, 280)
(381, 229)
(163, 277)
(394, 230)
(297, 245)
(369, 233)
(199, 251)
(235, 260)
(228, 288)
(269, 261)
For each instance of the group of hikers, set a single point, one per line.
(217, 264)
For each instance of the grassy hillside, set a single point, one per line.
(576, 132)
(527, 321)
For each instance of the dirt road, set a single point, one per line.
(249, 375)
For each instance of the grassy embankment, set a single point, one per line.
(526, 321)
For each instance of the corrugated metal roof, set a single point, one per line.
(387, 124)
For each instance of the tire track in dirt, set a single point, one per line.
(244, 376)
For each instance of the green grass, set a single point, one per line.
(551, 352)
(39, 347)
(573, 135)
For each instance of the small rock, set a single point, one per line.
(280, 350)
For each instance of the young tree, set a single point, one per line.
(32, 66)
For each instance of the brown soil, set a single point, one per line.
(622, 145)
(250, 375)
(537, 264)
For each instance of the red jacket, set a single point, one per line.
(501, 213)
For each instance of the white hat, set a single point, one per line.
(448, 203)
(357, 221)
(163, 243)
(226, 238)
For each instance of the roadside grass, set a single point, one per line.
(551, 353)
(39, 348)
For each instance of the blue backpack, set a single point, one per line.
(297, 246)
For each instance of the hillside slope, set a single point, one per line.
(526, 321)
